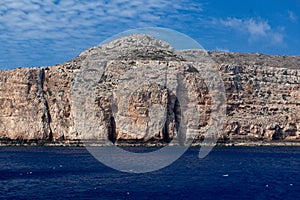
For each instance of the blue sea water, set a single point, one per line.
(226, 173)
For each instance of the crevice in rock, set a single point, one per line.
(42, 78)
(112, 136)
(177, 115)
(166, 131)
(46, 117)
(31, 80)
(180, 105)
(180, 127)
(48, 121)
(278, 133)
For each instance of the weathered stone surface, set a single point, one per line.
(23, 107)
(263, 96)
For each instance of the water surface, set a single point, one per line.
(226, 173)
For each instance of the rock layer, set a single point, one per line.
(39, 105)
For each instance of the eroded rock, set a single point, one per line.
(139, 92)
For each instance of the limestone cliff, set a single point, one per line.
(38, 105)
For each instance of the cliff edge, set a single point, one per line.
(42, 105)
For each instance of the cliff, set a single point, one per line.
(139, 90)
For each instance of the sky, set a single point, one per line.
(49, 32)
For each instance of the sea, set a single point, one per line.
(237, 172)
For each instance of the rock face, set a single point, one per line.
(139, 90)
(24, 109)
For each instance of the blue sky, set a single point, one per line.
(39, 33)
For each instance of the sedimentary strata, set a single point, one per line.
(138, 89)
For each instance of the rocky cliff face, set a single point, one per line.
(138, 89)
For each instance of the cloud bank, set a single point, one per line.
(256, 29)
(57, 19)
(67, 27)
(35, 32)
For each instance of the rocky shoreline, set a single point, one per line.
(78, 143)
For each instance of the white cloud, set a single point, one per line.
(257, 29)
(74, 17)
(222, 49)
(253, 27)
(35, 29)
(292, 16)
(277, 38)
(232, 22)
